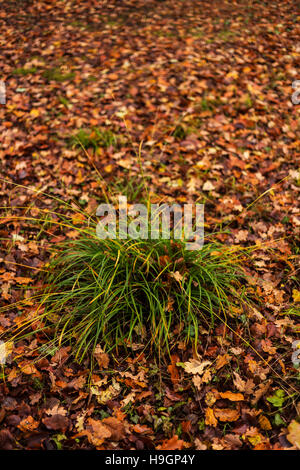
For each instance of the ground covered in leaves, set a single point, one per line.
(206, 86)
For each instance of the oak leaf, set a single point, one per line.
(196, 367)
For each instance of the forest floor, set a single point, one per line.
(204, 89)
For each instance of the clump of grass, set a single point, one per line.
(93, 138)
(56, 75)
(119, 293)
(226, 35)
(24, 71)
(180, 132)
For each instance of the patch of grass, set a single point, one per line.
(64, 101)
(93, 138)
(293, 311)
(119, 293)
(180, 132)
(206, 105)
(226, 35)
(56, 75)
(197, 33)
(132, 189)
(23, 71)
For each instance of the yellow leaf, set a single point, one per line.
(294, 433)
(108, 168)
(35, 112)
(296, 295)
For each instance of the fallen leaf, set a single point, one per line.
(115, 427)
(97, 432)
(56, 423)
(208, 186)
(173, 369)
(222, 361)
(210, 419)
(294, 433)
(28, 424)
(296, 295)
(172, 444)
(101, 357)
(226, 414)
(195, 367)
(232, 396)
(264, 423)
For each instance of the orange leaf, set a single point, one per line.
(173, 444)
(23, 280)
(232, 396)
(222, 360)
(210, 418)
(264, 423)
(173, 369)
(28, 424)
(142, 428)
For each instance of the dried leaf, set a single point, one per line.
(195, 367)
(210, 419)
(294, 433)
(226, 414)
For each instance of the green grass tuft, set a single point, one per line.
(24, 71)
(56, 75)
(125, 292)
(93, 138)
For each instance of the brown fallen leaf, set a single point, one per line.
(222, 361)
(264, 423)
(226, 414)
(199, 445)
(115, 427)
(243, 385)
(56, 422)
(262, 390)
(173, 444)
(56, 410)
(173, 369)
(97, 432)
(29, 369)
(101, 357)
